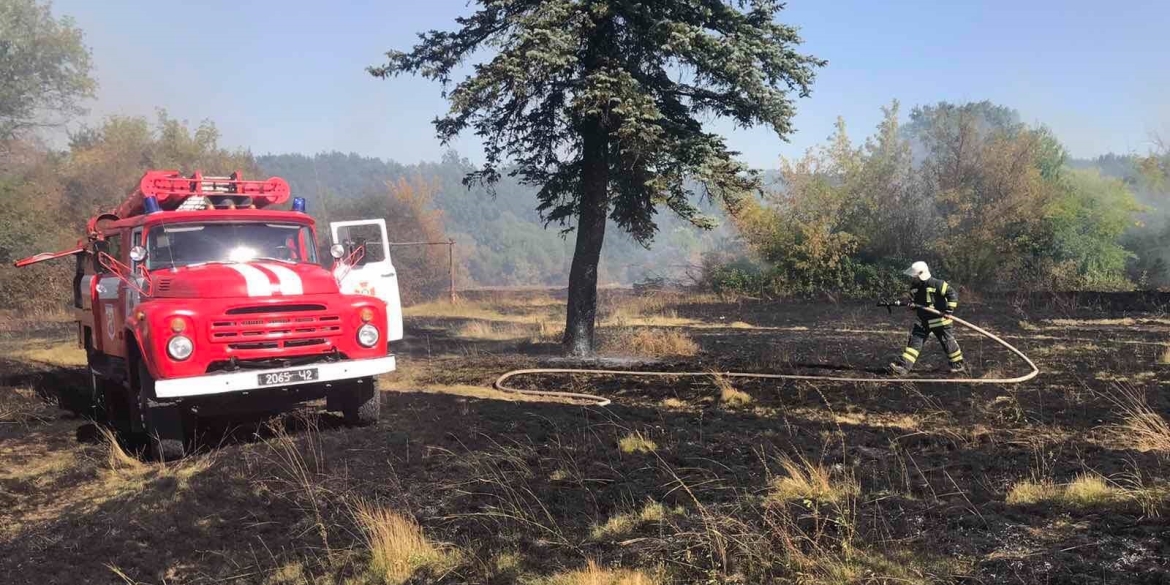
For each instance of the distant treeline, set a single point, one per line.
(1009, 211)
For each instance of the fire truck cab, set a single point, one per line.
(198, 296)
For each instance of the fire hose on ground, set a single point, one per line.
(602, 401)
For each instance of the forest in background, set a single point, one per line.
(1014, 211)
(842, 219)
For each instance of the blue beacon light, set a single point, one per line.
(298, 204)
(150, 205)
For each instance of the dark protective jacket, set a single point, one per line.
(937, 294)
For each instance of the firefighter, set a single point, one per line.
(928, 291)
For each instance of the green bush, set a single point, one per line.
(850, 278)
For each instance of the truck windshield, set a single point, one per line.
(186, 244)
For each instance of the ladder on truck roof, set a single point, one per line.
(174, 192)
(170, 190)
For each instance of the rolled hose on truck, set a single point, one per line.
(602, 401)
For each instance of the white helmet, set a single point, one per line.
(918, 269)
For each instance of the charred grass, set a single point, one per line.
(679, 481)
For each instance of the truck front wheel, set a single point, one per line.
(163, 423)
(360, 403)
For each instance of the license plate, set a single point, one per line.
(288, 377)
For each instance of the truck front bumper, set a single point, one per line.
(247, 380)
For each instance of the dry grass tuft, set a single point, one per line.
(805, 480)
(398, 548)
(1165, 359)
(61, 354)
(1029, 492)
(1074, 323)
(23, 406)
(635, 442)
(116, 457)
(903, 567)
(652, 310)
(1090, 491)
(493, 330)
(1141, 426)
(504, 567)
(288, 574)
(594, 574)
(503, 310)
(648, 343)
(729, 396)
(622, 525)
(548, 332)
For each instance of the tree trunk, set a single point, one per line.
(594, 205)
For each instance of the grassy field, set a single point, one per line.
(1064, 479)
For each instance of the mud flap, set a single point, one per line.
(167, 426)
(358, 401)
(166, 420)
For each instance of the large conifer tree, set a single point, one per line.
(601, 104)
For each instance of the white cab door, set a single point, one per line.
(373, 274)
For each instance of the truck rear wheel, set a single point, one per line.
(361, 403)
(99, 389)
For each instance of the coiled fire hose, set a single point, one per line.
(602, 401)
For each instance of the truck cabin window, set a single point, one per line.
(111, 244)
(368, 237)
(188, 244)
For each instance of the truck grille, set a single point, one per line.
(271, 309)
(277, 328)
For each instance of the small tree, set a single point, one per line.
(44, 67)
(599, 102)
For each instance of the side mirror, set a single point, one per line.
(138, 253)
(337, 251)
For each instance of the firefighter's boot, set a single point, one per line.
(898, 369)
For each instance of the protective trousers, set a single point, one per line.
(943, 329)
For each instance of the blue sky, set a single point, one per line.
(288, 75)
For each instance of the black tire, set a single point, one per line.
(362, 405)
(163, 424)
(101, 392)
(159, 449)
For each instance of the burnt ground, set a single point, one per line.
(525, 482)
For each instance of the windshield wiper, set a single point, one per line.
(275, 259)
(204, 263)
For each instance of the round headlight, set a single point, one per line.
(180, 347)
(367, 335)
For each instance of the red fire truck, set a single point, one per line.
(199, 296)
